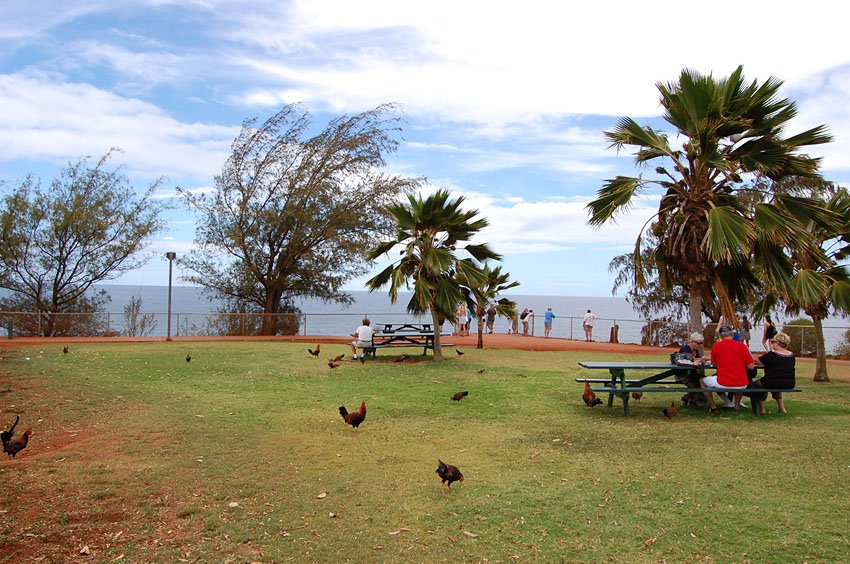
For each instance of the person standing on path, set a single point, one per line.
(587, 322)
(491, 317)
(769, 333)
(525, 317)
(547, 322)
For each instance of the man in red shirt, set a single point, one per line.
(732, 359)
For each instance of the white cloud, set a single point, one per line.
(85, 120)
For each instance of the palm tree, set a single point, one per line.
(494, 284)
(729, 130)
(818, 282)
(430, 231)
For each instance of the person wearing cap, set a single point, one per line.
(732, 359)
(694, 348)
(779, 372)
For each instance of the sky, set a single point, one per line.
(504, 103)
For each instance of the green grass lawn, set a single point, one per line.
(241, 456)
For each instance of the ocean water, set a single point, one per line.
(191, 309)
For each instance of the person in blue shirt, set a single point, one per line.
(547, 321)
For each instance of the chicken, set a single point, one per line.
(12, 446)
(333, 364)
(637, 395)
(315, 352)
(670, 412)
(65, 349)
(459, 352)
(459, 396)
(448, 473)
(188, 358)
(589, 397)
(356, 418)
(337, 358)
(6, 436)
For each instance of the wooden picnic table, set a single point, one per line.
(618, 385)
(405, 335)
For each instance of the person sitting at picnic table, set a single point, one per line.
(732, 359)
(362, 337)
(779, 372)
(694, 348)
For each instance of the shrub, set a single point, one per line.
(843, 348)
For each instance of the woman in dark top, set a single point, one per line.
(769, 333)
(779, 372)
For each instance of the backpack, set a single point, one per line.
(682, 358)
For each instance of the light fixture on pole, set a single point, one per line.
(170, 256)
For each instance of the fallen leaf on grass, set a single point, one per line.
(401, 530)
(85, 551)
(649, 542)
(470, 535)
(377, 547)
(322, 495)
(331, 515)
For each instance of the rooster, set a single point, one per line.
(315, 352)
(188, 358)
(459, 352)
(6, 436)
(356, 418)
(589, 397)
(637, 395)
(459, 396)
(337, 358)
(65, 349)
(13, 446)
(332, 363)
(448, 473)
(670, 412)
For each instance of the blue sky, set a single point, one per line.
(505, 102)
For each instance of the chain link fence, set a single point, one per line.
(183, 324)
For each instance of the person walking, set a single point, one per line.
(587, 323)
(769, 333)
(745, 330)
(548, 318)
(491, 317)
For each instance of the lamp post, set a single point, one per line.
(170, 256)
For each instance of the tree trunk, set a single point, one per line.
(270, 310)
(438, 351)
(480, 312)
(820, 356)
(695, 312)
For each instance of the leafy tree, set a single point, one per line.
(709, 235)
(817, 283)
(430, 231)
(292, 215)
(494, 284)
(88, 226)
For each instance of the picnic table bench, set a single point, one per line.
(618, 385)
(404, 335)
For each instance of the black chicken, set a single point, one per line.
(448, 473)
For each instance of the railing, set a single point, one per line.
(189, 324)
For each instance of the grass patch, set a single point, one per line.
(138, 453)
